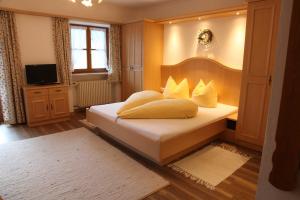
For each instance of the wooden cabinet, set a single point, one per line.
(262, 22)
(142, 53)
(46, 104)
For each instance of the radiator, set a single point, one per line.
(93, 93)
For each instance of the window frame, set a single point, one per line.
(89, 49)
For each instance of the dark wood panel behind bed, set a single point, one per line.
(228, 80)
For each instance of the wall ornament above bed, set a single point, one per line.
(205, 37)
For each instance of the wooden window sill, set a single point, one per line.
(89, 76)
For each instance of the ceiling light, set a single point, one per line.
(86, 3)
(170, 22)
(238, 13)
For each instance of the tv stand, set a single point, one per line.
(46, 104)
(45, 84)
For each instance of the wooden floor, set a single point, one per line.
(240, 186)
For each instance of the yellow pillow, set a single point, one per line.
(205, 95)
(174, 91)
(140, 98)
(199, 88)
(170, 87)
(163, 109)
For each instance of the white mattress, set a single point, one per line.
(159, 130)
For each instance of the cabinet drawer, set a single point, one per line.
(58, 90)
(37, 93)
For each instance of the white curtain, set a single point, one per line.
(62, 42)
(114, 67)
(11, 79)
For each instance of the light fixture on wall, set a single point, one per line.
(205, 37)
(86, 3)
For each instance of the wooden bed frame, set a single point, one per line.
(228, 85)
(228, 80)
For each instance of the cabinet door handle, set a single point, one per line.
(58, 90)
(270, 80)
(51, 107)
(37, 92)
(47, 107)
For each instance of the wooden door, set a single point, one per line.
(257, 72)
(126, 60)
(138, 57)
(38, 108)
(132, 48)
(59, 103)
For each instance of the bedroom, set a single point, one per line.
(119, 48)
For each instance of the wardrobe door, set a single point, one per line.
(132, 58)
(127, 59)
(257, 72)
(138, 44)
(138, 56)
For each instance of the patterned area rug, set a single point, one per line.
(211, 165)
(75, 165)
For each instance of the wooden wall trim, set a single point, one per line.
(42, 14)
(286, 158)
(228, 80)
(206, 14)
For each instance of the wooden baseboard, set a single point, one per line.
(34, 124)
(229, 136)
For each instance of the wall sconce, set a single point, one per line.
(205, 37)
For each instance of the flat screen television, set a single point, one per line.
(41, 74)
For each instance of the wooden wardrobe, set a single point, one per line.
(142, 55)
(259, 59)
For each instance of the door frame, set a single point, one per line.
(286, 157)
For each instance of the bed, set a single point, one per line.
(164, 140)
(161, 140)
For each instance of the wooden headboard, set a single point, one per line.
(227, 80)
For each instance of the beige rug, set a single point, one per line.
(72, 165)
(211, 165)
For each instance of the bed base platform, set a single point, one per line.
(160, 152)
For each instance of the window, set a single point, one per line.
(89, 46)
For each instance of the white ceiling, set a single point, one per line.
(134, 3)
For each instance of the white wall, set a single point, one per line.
(265, 189)
(36, 39)
(227, 47)
(36, 43)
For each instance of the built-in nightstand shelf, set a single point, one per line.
(229, 133)
(231, 122)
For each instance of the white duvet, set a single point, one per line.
(163, 129)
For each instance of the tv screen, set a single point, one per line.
(41, 74)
